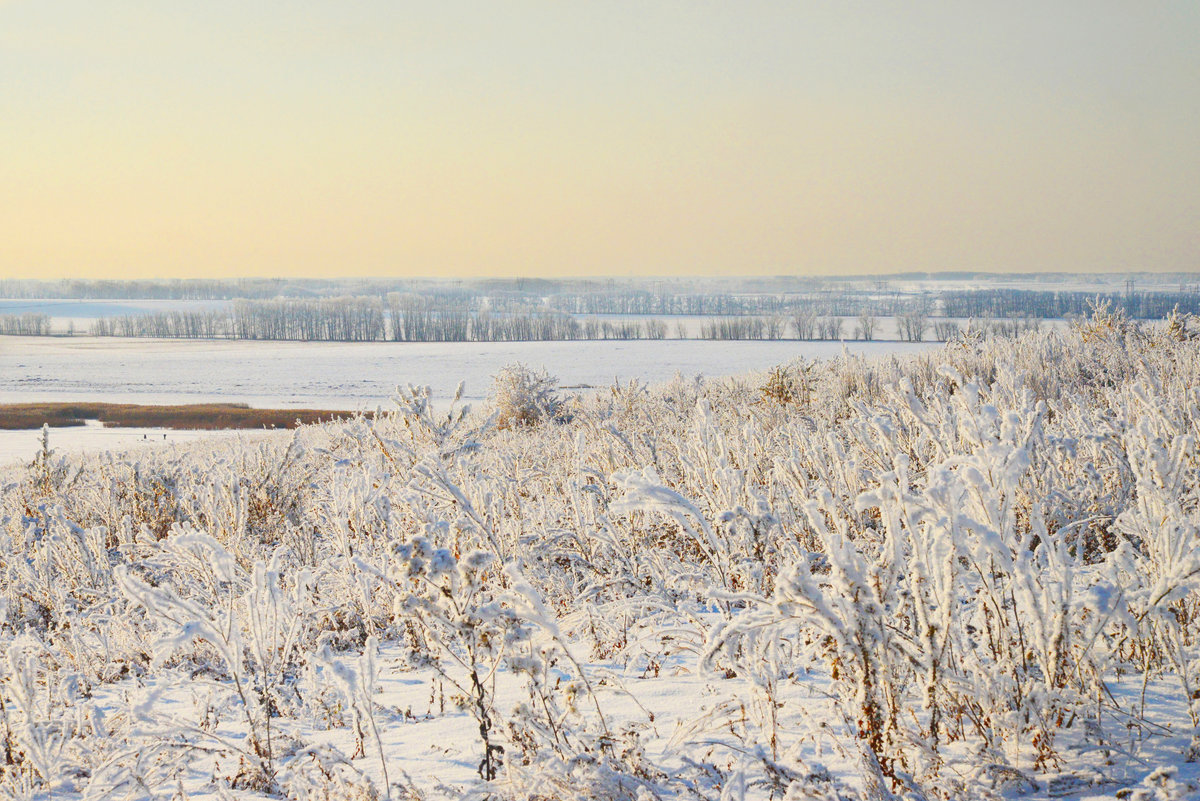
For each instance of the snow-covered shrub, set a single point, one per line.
(787, 385)
(523, 396)
(464, 628)
(258, 659)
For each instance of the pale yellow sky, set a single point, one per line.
(204, 139)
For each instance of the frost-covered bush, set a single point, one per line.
(964, 574)
(788, 385)
(523, 396)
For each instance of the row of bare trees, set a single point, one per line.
(404, 318)
(417, 319)
(1047, 304)
(25, 325)
(333, 320)
(805, 325)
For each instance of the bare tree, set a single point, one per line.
(776, 326)
(804, 322)
(830, 328)
(945, 330)
(912, 326)
(867, 324)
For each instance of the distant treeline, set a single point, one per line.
(462, 314)
(25, 325)
(198, 289)
(333, 319)
(840, 303)
(417, 319)
(913, 326)
(842, 295)
(974, 303)
(1032, 303)
(399, 319)
(500, 292)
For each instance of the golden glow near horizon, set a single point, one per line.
(211, 139)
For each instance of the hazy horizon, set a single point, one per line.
(597, 140)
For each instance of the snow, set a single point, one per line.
(22, 445)
(354, 376)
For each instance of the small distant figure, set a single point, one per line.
(164, 436)
(144, 436)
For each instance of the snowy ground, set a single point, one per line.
(678, 714)
(20, 446)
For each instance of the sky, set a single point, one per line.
(208, 138)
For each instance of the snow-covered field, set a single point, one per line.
(329, 375)
(22, 445)
(359, 375)
(968, 573)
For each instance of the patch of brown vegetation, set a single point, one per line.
(209, 416)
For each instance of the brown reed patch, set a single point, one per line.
(208, 416)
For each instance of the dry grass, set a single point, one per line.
(193, 416)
